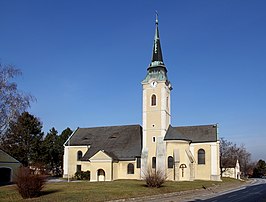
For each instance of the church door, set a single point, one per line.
(101, 175)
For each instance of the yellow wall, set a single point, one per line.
(121, 172)
(72, 162)
(182, 146)
(113, 170)
(204, 171)
(156, 119)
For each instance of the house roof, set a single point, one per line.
(119, 142)
(196, 134)
(6, 158)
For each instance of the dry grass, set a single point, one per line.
(103, 191)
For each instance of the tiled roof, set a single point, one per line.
(119, 142)
(196, 134)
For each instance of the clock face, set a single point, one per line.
(153, 84)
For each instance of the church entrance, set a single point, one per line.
(101, 175)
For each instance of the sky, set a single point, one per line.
(84, 61)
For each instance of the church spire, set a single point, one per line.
(156, 70)
(157, 56)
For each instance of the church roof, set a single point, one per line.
(173, 134)
(119, 142)
(196, 134)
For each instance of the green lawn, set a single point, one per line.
(103, 191)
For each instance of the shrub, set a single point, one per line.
(82, 175)
(29, 185)
(154, 178)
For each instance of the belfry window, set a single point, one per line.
(153, 100)
(201, 156)
(130, 168)
(79, 155)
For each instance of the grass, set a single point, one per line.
(104, 191)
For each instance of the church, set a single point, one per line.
(181, 153)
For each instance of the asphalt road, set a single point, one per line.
(255, 192)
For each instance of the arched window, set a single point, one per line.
(153, 162)
(130, 168)
(79, 155)
(153, 100)
(170, 162)
(201, 156)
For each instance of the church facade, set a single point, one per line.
(183, 153)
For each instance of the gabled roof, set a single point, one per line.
(6, 158)
(119, 142)
(197, 134)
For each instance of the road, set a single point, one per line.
(256, 191)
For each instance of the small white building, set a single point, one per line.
(232, 171)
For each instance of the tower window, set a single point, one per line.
(153, 162)
(153, 139)
(153, 100)
(201, 156)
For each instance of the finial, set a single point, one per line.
(156, 17)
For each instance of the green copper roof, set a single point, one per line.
(155, 74)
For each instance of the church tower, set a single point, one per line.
(156, 108)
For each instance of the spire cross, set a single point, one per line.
(156, 12)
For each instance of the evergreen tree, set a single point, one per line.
(23, 139)
(54, 150)
(51, 151)
(260, 169)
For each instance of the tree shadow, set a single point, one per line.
(47, 192)
(6, 183)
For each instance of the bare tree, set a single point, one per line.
(230, 153)
(12, 101)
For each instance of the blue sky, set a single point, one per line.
(84, 61)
